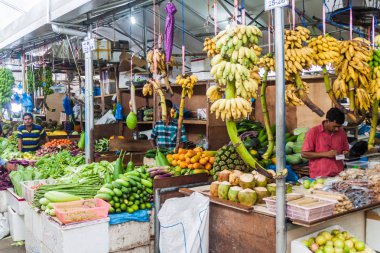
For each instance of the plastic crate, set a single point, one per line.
(16, 202)
(81, 210)
(28, 188)
(325, 209)
(271, 201)
(357, 165)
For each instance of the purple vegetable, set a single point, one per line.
(169, 30)
(158, 172)
(163, 176)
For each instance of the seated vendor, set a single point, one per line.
(323, 143)
(30, 136)
(164, 134)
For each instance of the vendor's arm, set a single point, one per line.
(316, 155)
(19, 138)
(43, 137)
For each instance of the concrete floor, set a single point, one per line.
(6, 247)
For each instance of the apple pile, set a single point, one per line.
(316, 184)
(335, 242)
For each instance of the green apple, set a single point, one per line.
(327, 235)
(359, 246)
(320, 181)
(335, 232)
(329, 243)
(339, 243)
(328, 249)
(306, 184)
(320, 240)
(349, 243)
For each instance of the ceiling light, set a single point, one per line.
(133, 20)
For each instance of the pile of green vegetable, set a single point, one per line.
(7, 81)
(23, 174)
(151, 153)
(54, 166)
(102, 145)
(130, 192)
(293, 149)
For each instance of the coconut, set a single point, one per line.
(247, 181)
(247, 197)
(262, 193)
(233, 193)
(261, 180)
(272, 189)
(234, 177)
(214, 188)
(224, 175)
(223, 189)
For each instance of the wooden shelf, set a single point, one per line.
(106, 96)
(194, 122)
(145, 122)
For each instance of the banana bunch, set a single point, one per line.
(231, 109)
(210, 47)
(257, 50)
(236, 37)
(375, 59)
(267, 61)
(150, 86)
(187, 82)
(214, 93)
(147, 90)
(354, 68)
(326, 49)
(295, 38)
(161, 63)
(362, 99)
(375, 83)
(292, 95)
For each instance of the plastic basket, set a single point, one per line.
(28, 188)
(271, 201)
(296, 212)
(357, 165)
(81, 210)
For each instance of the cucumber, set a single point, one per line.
(123, 182)
(116, 199)
(103, 196)
(148, 205)
(142, 206)
(44, 201)
(117, 192)
(125, 189)
(123, 207)
(146, 183)
(118, 210)
(130, 209)
(111, 210)
(116, 184)
(149, 191)
(50, 206)
(117, 205)
(132, 182)
(135, 207)
(109, 186)
(106, 190)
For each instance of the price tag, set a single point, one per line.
(92, 44)
(339, 157)
(271, 4)
(88, 45)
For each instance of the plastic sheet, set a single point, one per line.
(139, 216)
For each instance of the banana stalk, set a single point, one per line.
(161, 94)
(233, 134)
(375, 117)
(351, 94)
(305, 99)
(264, 108)
(133, 98)
(180, 118)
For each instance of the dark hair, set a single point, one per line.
(334, 114)
(169, 104)
(27, 114)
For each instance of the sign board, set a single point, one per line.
(88, 45)
(271, 4)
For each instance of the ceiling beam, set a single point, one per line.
(12, 6)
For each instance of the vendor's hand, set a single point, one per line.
(331, 153)
(346, 153)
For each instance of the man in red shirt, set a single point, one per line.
(323, 143)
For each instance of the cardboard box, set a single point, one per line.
(54, 102)
(373, 229)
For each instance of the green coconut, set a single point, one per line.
(272, 189)
(131, 120)
(224, 175)
(247, 181)
(262, 193)
(261, 180)
(214, 188)
(247, 197)
(234, 177)
(233, 193)
(223, 189)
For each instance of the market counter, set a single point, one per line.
(234, 228)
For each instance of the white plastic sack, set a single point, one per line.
(4, 225)
(107, 118)
(187, 220)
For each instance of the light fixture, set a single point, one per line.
(133, 20)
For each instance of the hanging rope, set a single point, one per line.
(159, 27)
(269, 30)
(215, 18)
(294, 13)
(243, 12)
(236, 8)
(324, 18)
(183, 38)
(154, 40)
(350, 21)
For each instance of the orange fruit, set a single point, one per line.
(183, 165)
(190, 166)
(202, 161)
(196, 165)
(188, 160)
(182, 157)
(174, 162)
(208, 166)
(169, 156)
(211, 160)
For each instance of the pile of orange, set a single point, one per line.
(196, 159)
(58, 143)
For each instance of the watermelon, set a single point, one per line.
(297, 148)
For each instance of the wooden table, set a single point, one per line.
(237, 228)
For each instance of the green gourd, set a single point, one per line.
(81, 143)
(130, 165)
(161, 159)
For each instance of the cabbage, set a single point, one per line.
(300, 130)
(297, 148)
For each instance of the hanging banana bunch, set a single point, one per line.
(354, 74)
(155, 85)
(298, 58)
(209, 47)
(235, 70)
(375, 92)
(160, 65)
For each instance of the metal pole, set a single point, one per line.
(280, 130)
(24, 86)
(144, 34)
(89, 102)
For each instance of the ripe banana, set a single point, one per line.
(231, 109)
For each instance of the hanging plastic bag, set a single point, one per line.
(186, 219)
(119, 112)
(107, 118)
(27, 102)
(4, 225)
(67, 106)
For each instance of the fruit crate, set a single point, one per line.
(29, 188)
(81, 210)
(297, 245)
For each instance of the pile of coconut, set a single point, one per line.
(244, 188)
